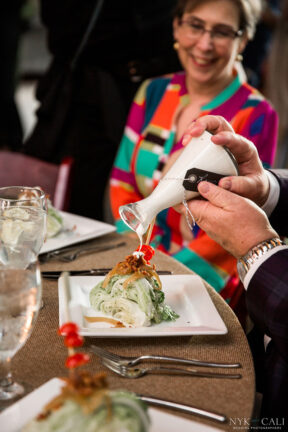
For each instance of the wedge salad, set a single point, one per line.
(132, 293)
(86, 404)
(54, 220)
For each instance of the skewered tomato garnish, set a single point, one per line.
(147, 250)
(67, 328)
(73, 339)
(76, 360)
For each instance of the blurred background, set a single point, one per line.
(24, 45)
(32, 60)
(25, 55)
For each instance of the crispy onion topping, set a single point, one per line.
(137, 267)
(87, 390)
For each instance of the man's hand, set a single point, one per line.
(234, 222)
(252, 181)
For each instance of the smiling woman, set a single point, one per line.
(209, 38)
(221, 33)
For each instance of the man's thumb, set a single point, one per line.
(215, 194)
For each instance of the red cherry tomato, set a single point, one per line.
(76, 360)
(73, 340)
(67, 328)
(147, 250)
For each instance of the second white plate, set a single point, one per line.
(186, 294)
(14, 418)
(76, 229)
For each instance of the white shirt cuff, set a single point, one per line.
(273, 197)
(267, 339)
(259, 262)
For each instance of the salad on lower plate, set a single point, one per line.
(85, 402)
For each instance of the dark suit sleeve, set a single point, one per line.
(267, 305)
(278, 218)
(267, 300)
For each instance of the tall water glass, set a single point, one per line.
(23, 213)
(20, 299)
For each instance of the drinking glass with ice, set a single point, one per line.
(22, 221)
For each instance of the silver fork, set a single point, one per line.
(130, 372)
(133, 361)
(73, 255)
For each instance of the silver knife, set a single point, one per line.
(89, 272)
(184, 408)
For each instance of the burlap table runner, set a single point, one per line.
(43, 356)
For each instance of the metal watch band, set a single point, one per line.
(245, 262)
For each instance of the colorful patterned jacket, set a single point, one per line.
(148, 141)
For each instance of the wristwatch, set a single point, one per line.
(244, 263)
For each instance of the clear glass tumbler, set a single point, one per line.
(20, 300)
(23, 212)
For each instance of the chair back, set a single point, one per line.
(17, 169)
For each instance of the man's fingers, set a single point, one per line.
(193, 130)
(254, 188)
(240, 185)
(242, 149)
(216, 195)
(217, 199)
(199, 208)
(219, 207)
(212, 124)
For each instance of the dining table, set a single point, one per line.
(43, 356)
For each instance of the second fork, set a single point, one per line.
(73, 255)
(133, 361)
(130, 372)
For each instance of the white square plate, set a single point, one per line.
(76, 229)
(186, 294)
(14, 418)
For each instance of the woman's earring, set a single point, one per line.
(176, 45)
(239, 57)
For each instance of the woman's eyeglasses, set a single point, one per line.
(219, 34)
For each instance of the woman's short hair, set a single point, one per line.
(249, 10)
